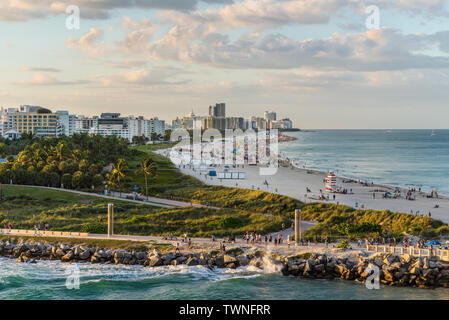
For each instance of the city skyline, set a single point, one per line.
(317, 63)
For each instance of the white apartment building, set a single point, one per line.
(7, 120)
(127, 128)
(67, 122)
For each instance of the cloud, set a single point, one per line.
(383, 49)
(45, 79)
(157, 76)
(91, 43)
(140, 33)
(39, 69)
(24, 10)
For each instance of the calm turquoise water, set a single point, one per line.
(47, 279)
(395, 157)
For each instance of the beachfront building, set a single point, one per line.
(269, 116)
(36, 120)
(111, 124)
(261, 123)
(6, 119)
(67, 122)
(281, 124)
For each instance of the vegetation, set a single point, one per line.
(83, 161)
(75, 162)
(339, 220)
(26, 207)
(343, 245)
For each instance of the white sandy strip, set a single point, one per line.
(292, 182)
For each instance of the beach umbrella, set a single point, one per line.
(433, 243)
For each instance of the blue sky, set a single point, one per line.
(313, 61)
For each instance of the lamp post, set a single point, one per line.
(110, 219)
(297, 226)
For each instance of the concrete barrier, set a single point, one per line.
(43, 233)
(441, 254)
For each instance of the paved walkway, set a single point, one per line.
(15, 232)
(153, 201)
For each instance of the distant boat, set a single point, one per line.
(433, 133)
(388, 131)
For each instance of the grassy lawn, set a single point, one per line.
(25, 207)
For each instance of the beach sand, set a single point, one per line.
(292, 182)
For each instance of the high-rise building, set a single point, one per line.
(235, 123)
(218, 123)
(219, 110)
(269, 116)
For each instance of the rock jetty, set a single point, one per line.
(31, 252)
(394, 270)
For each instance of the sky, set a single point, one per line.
(325, 64)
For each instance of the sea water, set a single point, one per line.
(48, 279)
(404, 158)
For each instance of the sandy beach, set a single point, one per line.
(292, 182)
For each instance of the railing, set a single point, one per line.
(42, 233)
(441, 254)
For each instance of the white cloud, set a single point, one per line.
(91, 43)
(45, 79)
(383, 49)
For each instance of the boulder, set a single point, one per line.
(192, 261)
(68, 256)
(84, 255)
(155, 261)
(156, 252)
(243, 260)
(229, 259)
(308, 267)
(256, 263)
(406, 258)
(390, 259)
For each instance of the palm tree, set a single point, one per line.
(149, 169)
(62, 151)
(118, 173)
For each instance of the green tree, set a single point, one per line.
(66, 180)
(118, 174)
(149, 169)
(97, 180)
(77, 179)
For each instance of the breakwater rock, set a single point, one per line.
(393, 270)
(31, 252)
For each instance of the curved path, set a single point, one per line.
(153, 201)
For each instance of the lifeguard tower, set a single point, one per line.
(331, 182)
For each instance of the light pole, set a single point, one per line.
(297, 226)
(110, 219)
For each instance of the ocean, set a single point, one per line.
(403, 158)
(46, 280)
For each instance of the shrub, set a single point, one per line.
(343, 245)
(94, 228)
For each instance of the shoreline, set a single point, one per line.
(292, 181)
